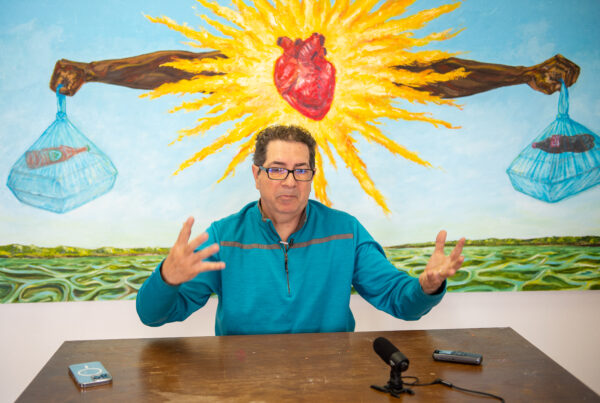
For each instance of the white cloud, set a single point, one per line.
(534, 45)
(27, 50)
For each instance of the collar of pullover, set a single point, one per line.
(301, 221)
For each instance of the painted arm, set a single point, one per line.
(544, 77)
(145, 72)
(142, 72)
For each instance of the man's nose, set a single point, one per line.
(290, 180)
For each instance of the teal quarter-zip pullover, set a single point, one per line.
(299, 286)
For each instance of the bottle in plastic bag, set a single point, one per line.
(51, 155)
(63, 169)
(561, 162)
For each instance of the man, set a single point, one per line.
(286, 264)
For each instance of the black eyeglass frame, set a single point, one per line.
(293, 171)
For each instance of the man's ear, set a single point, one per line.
(255, 172)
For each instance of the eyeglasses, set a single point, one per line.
(280, 174)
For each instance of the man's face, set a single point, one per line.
(286, 197)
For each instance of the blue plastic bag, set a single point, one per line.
(63, 169)
(561, 162)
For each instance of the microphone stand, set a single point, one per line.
(394, 386)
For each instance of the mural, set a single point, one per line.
(249, 80)
(359, 75)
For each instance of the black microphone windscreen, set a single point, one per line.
(384, 348)
(389, 353)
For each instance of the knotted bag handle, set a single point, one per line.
(61, 103)
(563, 101)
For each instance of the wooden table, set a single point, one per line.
(306, 367)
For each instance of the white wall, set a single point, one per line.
(563, 324)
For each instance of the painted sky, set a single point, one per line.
(469, 195)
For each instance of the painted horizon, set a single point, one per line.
(61, 274)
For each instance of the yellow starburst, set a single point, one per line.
(362, 44)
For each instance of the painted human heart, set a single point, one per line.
(303, 77)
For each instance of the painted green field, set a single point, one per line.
(118, 274)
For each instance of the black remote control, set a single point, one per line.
(457, 356)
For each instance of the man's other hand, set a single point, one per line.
(440, 266)
(183, 263)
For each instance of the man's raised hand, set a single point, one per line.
(440, 266)
(182, 263)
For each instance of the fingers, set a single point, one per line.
(440, 267)
(435, 277)
(186, 231)
(72, 75)
(205, 252)
(184, 240)
(196, 242)
(446, 266)
(197, 256)
(546, 75)
(199, 264)
(450, 269)
(454, 266)
(185, 260)
(570, 71)
(211, 266)
(431, 281)
(440, 241)
(457, 249)
(456, 260)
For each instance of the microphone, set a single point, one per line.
(390, 354)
